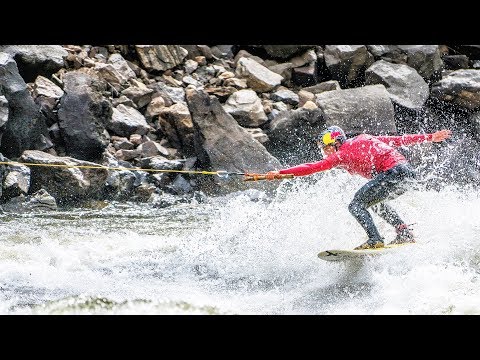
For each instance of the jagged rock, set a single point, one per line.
(41, 200)
(34, 60)
(140, 94)
(126, 121)
(176, 122)
(222, 144)
(244, 53)
(45, 87)
(259, 78)
(155, 107)
(461, 87)
(391, 53)
(127, 155)
(160, 57)
(222, 51)
(123, 100)
(190, 66)
(285, 95)
(174, 94)
(122, 66)
(323, 86)
(291, 135)
(472, 51)
(367, 109)
(151, 148)
(190, 81)
(306, 58)
(237, 83)
(245, 106)
(112, 76)
(426, 59)
(16, 181)
(285, 51)
(26, 127)
(304, 96)
(3, 110)
(310, 105)
(63, 183)
(455, 62)
(221, 92)
(121, 143)
(258, 135)
(284, 70)
(347, 63)
(405, 86)
(305, 75)
(83, 114)
(280, 106)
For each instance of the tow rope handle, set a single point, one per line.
(257, 177)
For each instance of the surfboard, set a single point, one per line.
(344, 254)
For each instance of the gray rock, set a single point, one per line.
(65, 183)
(259, 78)
(126, 121)
(245, 106)
(222, 144)
(426, 59)
(83, 114)
(3, 110)
(160, 57)
(285, 95)
(45, 87)
(405, 86)
(26, 125)
(16, 182)
(461, 87)
(367, 109)
(347, 63)
(34, 60)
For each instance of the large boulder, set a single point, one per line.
(222, 144)
(26, 127)
(34, 60)
(258, 77)
(83, 115)
(347, 63)
(65, 183)
(245, 106)
(366, 109)
(402, 82)
(160, 57)
(460, 87)
(292, 135)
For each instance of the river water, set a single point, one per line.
(245, 253)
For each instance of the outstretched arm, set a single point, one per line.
(415, 138)
(308, 168)
(441, 135)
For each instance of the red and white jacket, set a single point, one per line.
(365, 155)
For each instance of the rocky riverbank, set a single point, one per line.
(219, 107)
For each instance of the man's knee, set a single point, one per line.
(355, 207)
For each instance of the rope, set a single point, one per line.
(108, 168)
(220, 173)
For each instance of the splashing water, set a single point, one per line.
(245, 253)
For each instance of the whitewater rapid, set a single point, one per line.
(245, 253)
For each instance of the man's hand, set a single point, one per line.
(441, 135)
(271, 175)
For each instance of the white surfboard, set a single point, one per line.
(341, 255)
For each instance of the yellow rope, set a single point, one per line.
(109, 168)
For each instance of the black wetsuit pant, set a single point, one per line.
(385, 186)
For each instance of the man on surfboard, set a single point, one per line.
(375, 158)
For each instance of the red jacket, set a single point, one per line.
(365, 155)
